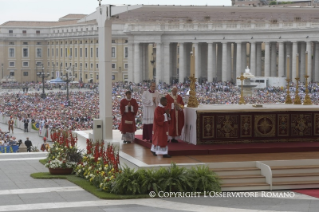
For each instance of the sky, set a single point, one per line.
(52, 10)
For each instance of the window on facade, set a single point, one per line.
(113, 65)
(75, 64)
(66, 52)
(97, 65)
(113, 77)
(91, 52)
(126, 52)
(66, 65)
(76, 75)
(125, 66)
(11, 52)
(11, 73)
(38, 43)
(80, 52)
(39, 52)
(71, 53)
(76, 52)
(113, 51)
(97, 76)
(11, 43)
(37, 32)
(91, 65)
(57, 52)
(48, 63)
(61, 52)
(86, 52)
(38, 64)
(86, 65)
(25, 64)
(25, 52)
(25, 43)
(126, 41)
(10, 31)
(48, 53)
(91, 76)
(25, 74)
(97, 52)
(81, 65)
(113, 41)
(86, 76)
(24, 32)
(11, 64)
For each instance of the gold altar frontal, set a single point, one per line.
(216, 124)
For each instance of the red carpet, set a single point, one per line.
(184, 148)
(309, 192)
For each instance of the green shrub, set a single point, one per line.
(203, 179)
(127, 182)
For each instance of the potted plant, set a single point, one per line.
(63, 155)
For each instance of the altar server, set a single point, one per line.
(175, 105)
(150, 100)
(128, 109)
(160, 128)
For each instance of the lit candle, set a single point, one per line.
(307, 63)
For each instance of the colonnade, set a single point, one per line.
(225, 60)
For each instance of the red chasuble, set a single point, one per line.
(160, 128)
(128, 116)
(177, 116)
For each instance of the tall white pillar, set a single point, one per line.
(309, 50)
(197, 60)
(273, 61)
(267, 59)
(289, 52)
(294, 61)
(214, 62)
(239, 60)
(229, 62)
(137, 63)
(159, 62)
(210, 62)
(182, 69)
(167, 63)
(281, 60)
(253, 58)
(224, 63)
(302, 61)
(258, 59)
(316, 59)
(244, 56)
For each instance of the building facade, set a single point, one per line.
(214, 43)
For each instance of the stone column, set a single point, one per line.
(219, 61)
(239, 60)
(229, 62)
(137, 63)
(267, 59)
(316, 68)
(234, 62)
(210, 62)
(197, 60)
(253, 58)
(281, 60)
(273, 63)
(214, 62)
(302, 57)
(130, 70)
(294, 61)
(289, 52)
(244, 57)
(309, 50)
(224, 63)
(166, 63)
(182, 70)
(158, 62)
(258, 59)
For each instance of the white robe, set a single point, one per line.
(149, 106)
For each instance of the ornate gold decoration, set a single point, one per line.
(241, 99)
(283, 125)
(307, 100)
(316, 122)
(192, 101)
(208, 127)
(227, 126)
(265, 125)
(246, 126)
(301, 124)
(288, 98)
(297, 98)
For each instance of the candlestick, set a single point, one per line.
(241, 99)
(288, 98)
(297, 98)
(307, 100)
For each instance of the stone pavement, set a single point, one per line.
(20, 192)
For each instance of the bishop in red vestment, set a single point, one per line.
(160, 129)
(128, 108)
(175, 105)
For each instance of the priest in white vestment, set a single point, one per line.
(150, 100)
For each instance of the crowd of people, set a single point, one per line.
(53, 111)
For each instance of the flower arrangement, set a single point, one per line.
(100, 165)
(64, 153)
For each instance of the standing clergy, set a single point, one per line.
(150, 100)
(160, 128)
(128, 108)
(175, 105)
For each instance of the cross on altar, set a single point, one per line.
(100, 2)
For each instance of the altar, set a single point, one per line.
(221, 124)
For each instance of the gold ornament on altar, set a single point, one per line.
(297, 98)
(288, 98)
(192, 101)
(307, 100)
(241, 99)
